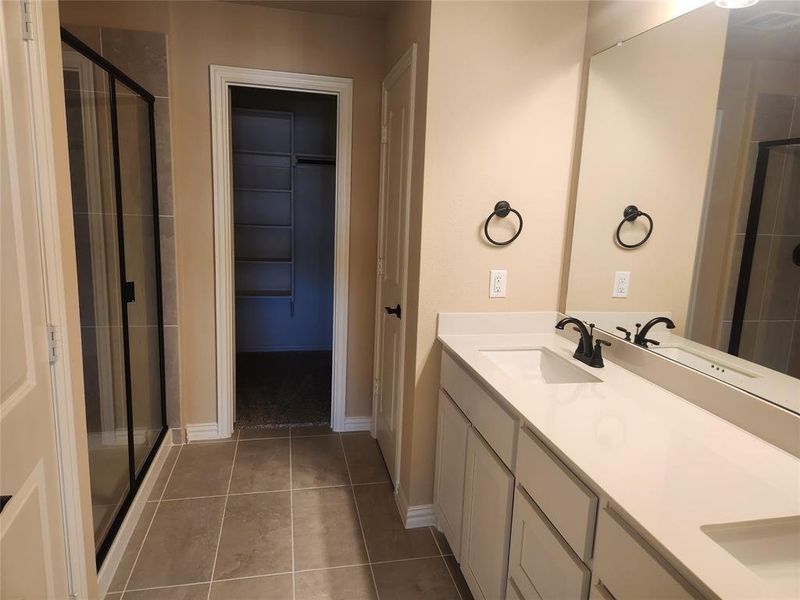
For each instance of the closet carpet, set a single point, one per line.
(275, 389)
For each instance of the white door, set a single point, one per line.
(396, 132)
(32, 552)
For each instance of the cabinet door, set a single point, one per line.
(542, 564)
(451, 458)
(488, 491)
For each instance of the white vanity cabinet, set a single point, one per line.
(522, 524)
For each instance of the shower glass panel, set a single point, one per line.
(88, 108)
(142, 262)
(112, 169)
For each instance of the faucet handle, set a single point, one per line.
(599, 342)
(626, 332)
(649, 341)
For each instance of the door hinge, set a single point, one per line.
(384, 134)
(27, 19)
(380, 266)
(52, 344)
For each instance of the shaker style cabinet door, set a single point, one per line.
(451, 458)
(488, 493)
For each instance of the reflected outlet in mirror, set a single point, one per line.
(537, 365)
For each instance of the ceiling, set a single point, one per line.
(372, 9)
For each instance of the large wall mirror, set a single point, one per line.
(696, 123)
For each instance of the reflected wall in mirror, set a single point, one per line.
(697, 123)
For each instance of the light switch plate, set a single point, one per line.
(497, 283)
(622, 283)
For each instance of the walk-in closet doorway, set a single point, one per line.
(281, 149)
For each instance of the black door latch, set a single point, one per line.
(396, 311)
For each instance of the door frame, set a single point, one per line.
(407, 61)
(69, 443)
(222, 78)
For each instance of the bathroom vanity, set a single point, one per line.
(555, 480)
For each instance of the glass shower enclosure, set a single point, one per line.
(110, 131)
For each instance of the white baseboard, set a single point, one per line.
(111, 562)
(202, 431)
(421, 515)
(357, 424)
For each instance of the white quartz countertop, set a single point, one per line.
(670, 465)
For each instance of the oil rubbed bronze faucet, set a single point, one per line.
(640, 338)
(589, 350)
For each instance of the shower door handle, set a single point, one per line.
(128, 292)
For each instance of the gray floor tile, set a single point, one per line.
(387, 538)
(261, 466)
(114, 596)
(318, 462)
(132, 549)
(181, 592)
(422, 579)
(364, 458)
(441, 542)
(326, 530)
(271, 587)
(181, 544)
(346, 583)
(458, 577)
(311, 430)
(201, 470)
(163, 475)
(258, 433)
(256, 536)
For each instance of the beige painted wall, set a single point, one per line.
(647, 140)
(257, 37)
(502, 105)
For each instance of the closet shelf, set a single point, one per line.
(264, 294)
(262, 152)
(262, 225)
(274, 261)
(257, 189)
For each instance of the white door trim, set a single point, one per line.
(47, 203)
(407, 61)
(222, 78)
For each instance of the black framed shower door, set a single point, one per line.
(111, 134)
(750, 238)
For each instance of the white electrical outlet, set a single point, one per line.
(497, 283)
(622, 283)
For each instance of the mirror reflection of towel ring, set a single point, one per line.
(629, 215)
(502, 209)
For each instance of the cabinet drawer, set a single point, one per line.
(630, 568)
(567, 502)
(496, 426)
(541, 563)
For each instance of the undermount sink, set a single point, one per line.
(537, 365)
(705, 364)
(770, 548)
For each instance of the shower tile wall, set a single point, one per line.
(771, 329)
(142, 55)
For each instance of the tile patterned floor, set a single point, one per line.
(284, 514)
